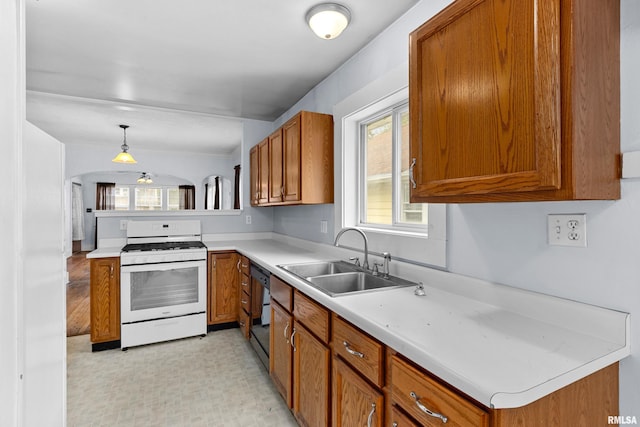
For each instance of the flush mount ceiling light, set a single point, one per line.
(145, 178)
(328, 20)
(124, 157)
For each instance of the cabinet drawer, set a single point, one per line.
(244, 322)
(245, 283)
(245, 302)
(282, 293)
(416, 393)
(245, 265)
(399, 419)
(361, 351)
(312, 315)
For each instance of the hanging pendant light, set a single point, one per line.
(145, 178)
(328, 20)
(124, 157)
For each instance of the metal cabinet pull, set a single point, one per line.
(373, 411)
(427, 410)
(111, 270)
(293, 344)
(286, 328)
(411, 178)
(214, 262)
(245, 284)
(238, 266)
(242, 324)
(244, 301)
(395, 424)
(282, 191)
(352, 351)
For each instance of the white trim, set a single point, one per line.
(187, 212)
(389, 90)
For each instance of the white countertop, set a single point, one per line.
(503, 346)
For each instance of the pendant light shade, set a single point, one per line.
(328, 20)
(124, 156)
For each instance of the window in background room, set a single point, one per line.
(384, 183)
(122, 198)
(173, 199)
(148, 199)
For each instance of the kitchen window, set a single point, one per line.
(122, 198)
(384, 180)
(372, 164)
(148, 199)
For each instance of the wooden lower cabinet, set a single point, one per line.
(355, 402)
(281, 352)
(311, 373)
(104, 289)
(223, 278)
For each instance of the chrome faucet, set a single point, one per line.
(365, 263)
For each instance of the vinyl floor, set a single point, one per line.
(212, 381)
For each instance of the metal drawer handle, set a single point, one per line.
(352, 351)
(293, 334)
(238, 265)
(244, 301)
(286, 328)
(242, 323)
(413, 181)
(427, 410)
(245, 284)
(244, 266)
(373, 411)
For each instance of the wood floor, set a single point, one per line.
(78, 321)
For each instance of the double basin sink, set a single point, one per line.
(340, 277)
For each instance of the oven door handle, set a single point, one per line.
(162, 266)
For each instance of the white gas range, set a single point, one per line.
(163, 282)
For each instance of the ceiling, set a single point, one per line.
(181, 74)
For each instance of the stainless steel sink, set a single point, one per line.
(320, 268)
(339, 277)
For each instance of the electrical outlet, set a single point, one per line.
(247, 219)
(123, 224)
(567, 229)
(323, 226)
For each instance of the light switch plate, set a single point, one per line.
(567, 230)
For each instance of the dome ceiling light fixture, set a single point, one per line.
(145, 178)
(328, 20)
(124, 156)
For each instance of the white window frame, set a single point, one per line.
(411, 245)
(395, 111)
(132, 197)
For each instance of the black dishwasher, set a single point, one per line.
(260, 313)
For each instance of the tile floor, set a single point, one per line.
(212, 381)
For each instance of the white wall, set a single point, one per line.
(44, 291)
(506, 242)
(12, 115)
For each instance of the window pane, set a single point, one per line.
(173, 199)
(410, 213)
(378, 169)
(148, 199)
(122, 198)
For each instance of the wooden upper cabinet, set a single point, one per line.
(254, 179)
(299, 166)
(516, 101)
(263, 172)
(276, 184)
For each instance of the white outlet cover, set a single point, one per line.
(567, 230)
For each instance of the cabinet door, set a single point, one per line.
(291, 134)
(276, 183)
(487, 121)
(223, 287)
(355, 402)
(311, 361)
(280, 351)
(263, 172)
(105, 299)
(254, 171)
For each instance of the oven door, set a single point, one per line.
(156, 291)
